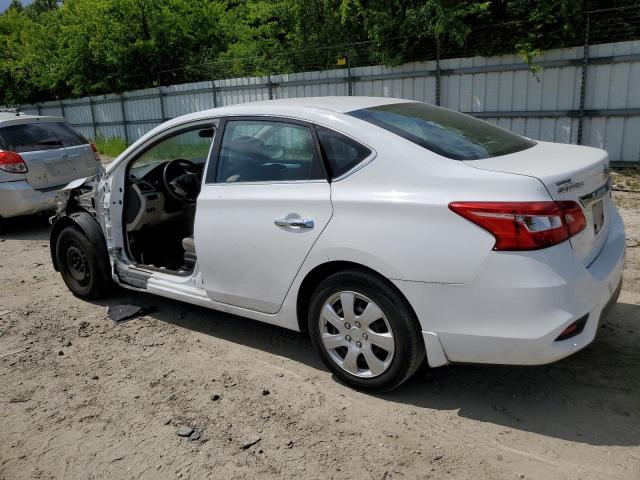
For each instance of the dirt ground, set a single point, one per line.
(83, 397)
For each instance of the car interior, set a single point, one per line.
(164, 182)
(160, 199)
(255, 151)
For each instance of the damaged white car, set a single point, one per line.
(392, 231)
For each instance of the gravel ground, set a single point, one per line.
(83, 397)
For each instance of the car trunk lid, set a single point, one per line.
(568, 172)
(53, 168)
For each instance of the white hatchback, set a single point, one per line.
(390, 230)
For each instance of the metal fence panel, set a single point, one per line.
(311, 84)
(553, 89)
(183, 99)
(240, 90)
(75, 111)
(545, 105)
(617, 135)
(142, 105)
(51, 109)
(614, 85)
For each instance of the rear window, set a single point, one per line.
(450, 134)
(342, 153)
(30, 137)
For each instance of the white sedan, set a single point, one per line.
(392, 231)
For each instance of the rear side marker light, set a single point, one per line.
(524, 225)
(574, 329)
(12, 162)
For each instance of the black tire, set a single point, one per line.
(83, 269)
(409, 351)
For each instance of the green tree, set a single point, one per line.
(258, 35)
(121, 44)
(15, 5)
(55, 49)
(24, 58)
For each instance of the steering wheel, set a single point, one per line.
(182, 179)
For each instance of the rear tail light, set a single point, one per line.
(524, 225)
(12, 162)
(95, 151)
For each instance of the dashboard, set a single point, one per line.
(146, 201)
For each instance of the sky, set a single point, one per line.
(5, 3)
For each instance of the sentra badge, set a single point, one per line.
(567, 185)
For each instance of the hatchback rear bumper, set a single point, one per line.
(18, 198)
(519, 303)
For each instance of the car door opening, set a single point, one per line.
(161, 188)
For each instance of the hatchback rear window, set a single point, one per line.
(30, 137)
(450, 134)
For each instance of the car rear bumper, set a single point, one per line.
(519, 303)
(18, 198)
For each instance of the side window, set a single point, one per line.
(342, 153)
(192, 145)
(264, 151)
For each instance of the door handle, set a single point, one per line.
(295, 222)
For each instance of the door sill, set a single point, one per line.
(151, 269)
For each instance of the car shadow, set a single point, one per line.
(592, 397)
(240, 330)
(30, 227)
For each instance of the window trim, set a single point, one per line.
(126, 158)
(170, 134)
(214, 160)
(363, 163)
(127, 162)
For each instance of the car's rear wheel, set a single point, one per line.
(364, 331)
(80, 266)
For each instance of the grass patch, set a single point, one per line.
(110, 147)
(626, 179)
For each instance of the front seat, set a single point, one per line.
(249, 163)
(189, 257)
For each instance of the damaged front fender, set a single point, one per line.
(78, 195)
(78, 207)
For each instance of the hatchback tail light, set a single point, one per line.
(524, 225)
(12, 162)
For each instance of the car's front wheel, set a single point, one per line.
(364, 331)
(81, 269)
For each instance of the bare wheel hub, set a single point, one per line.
(77, 264)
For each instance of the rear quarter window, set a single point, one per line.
(450, 134)
(30, 137)
(341, 152)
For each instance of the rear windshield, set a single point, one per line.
(443, 131)
(30, 137)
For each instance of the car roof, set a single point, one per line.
(336, 104)
(312, 109)
(9, 118)
(303, 108)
